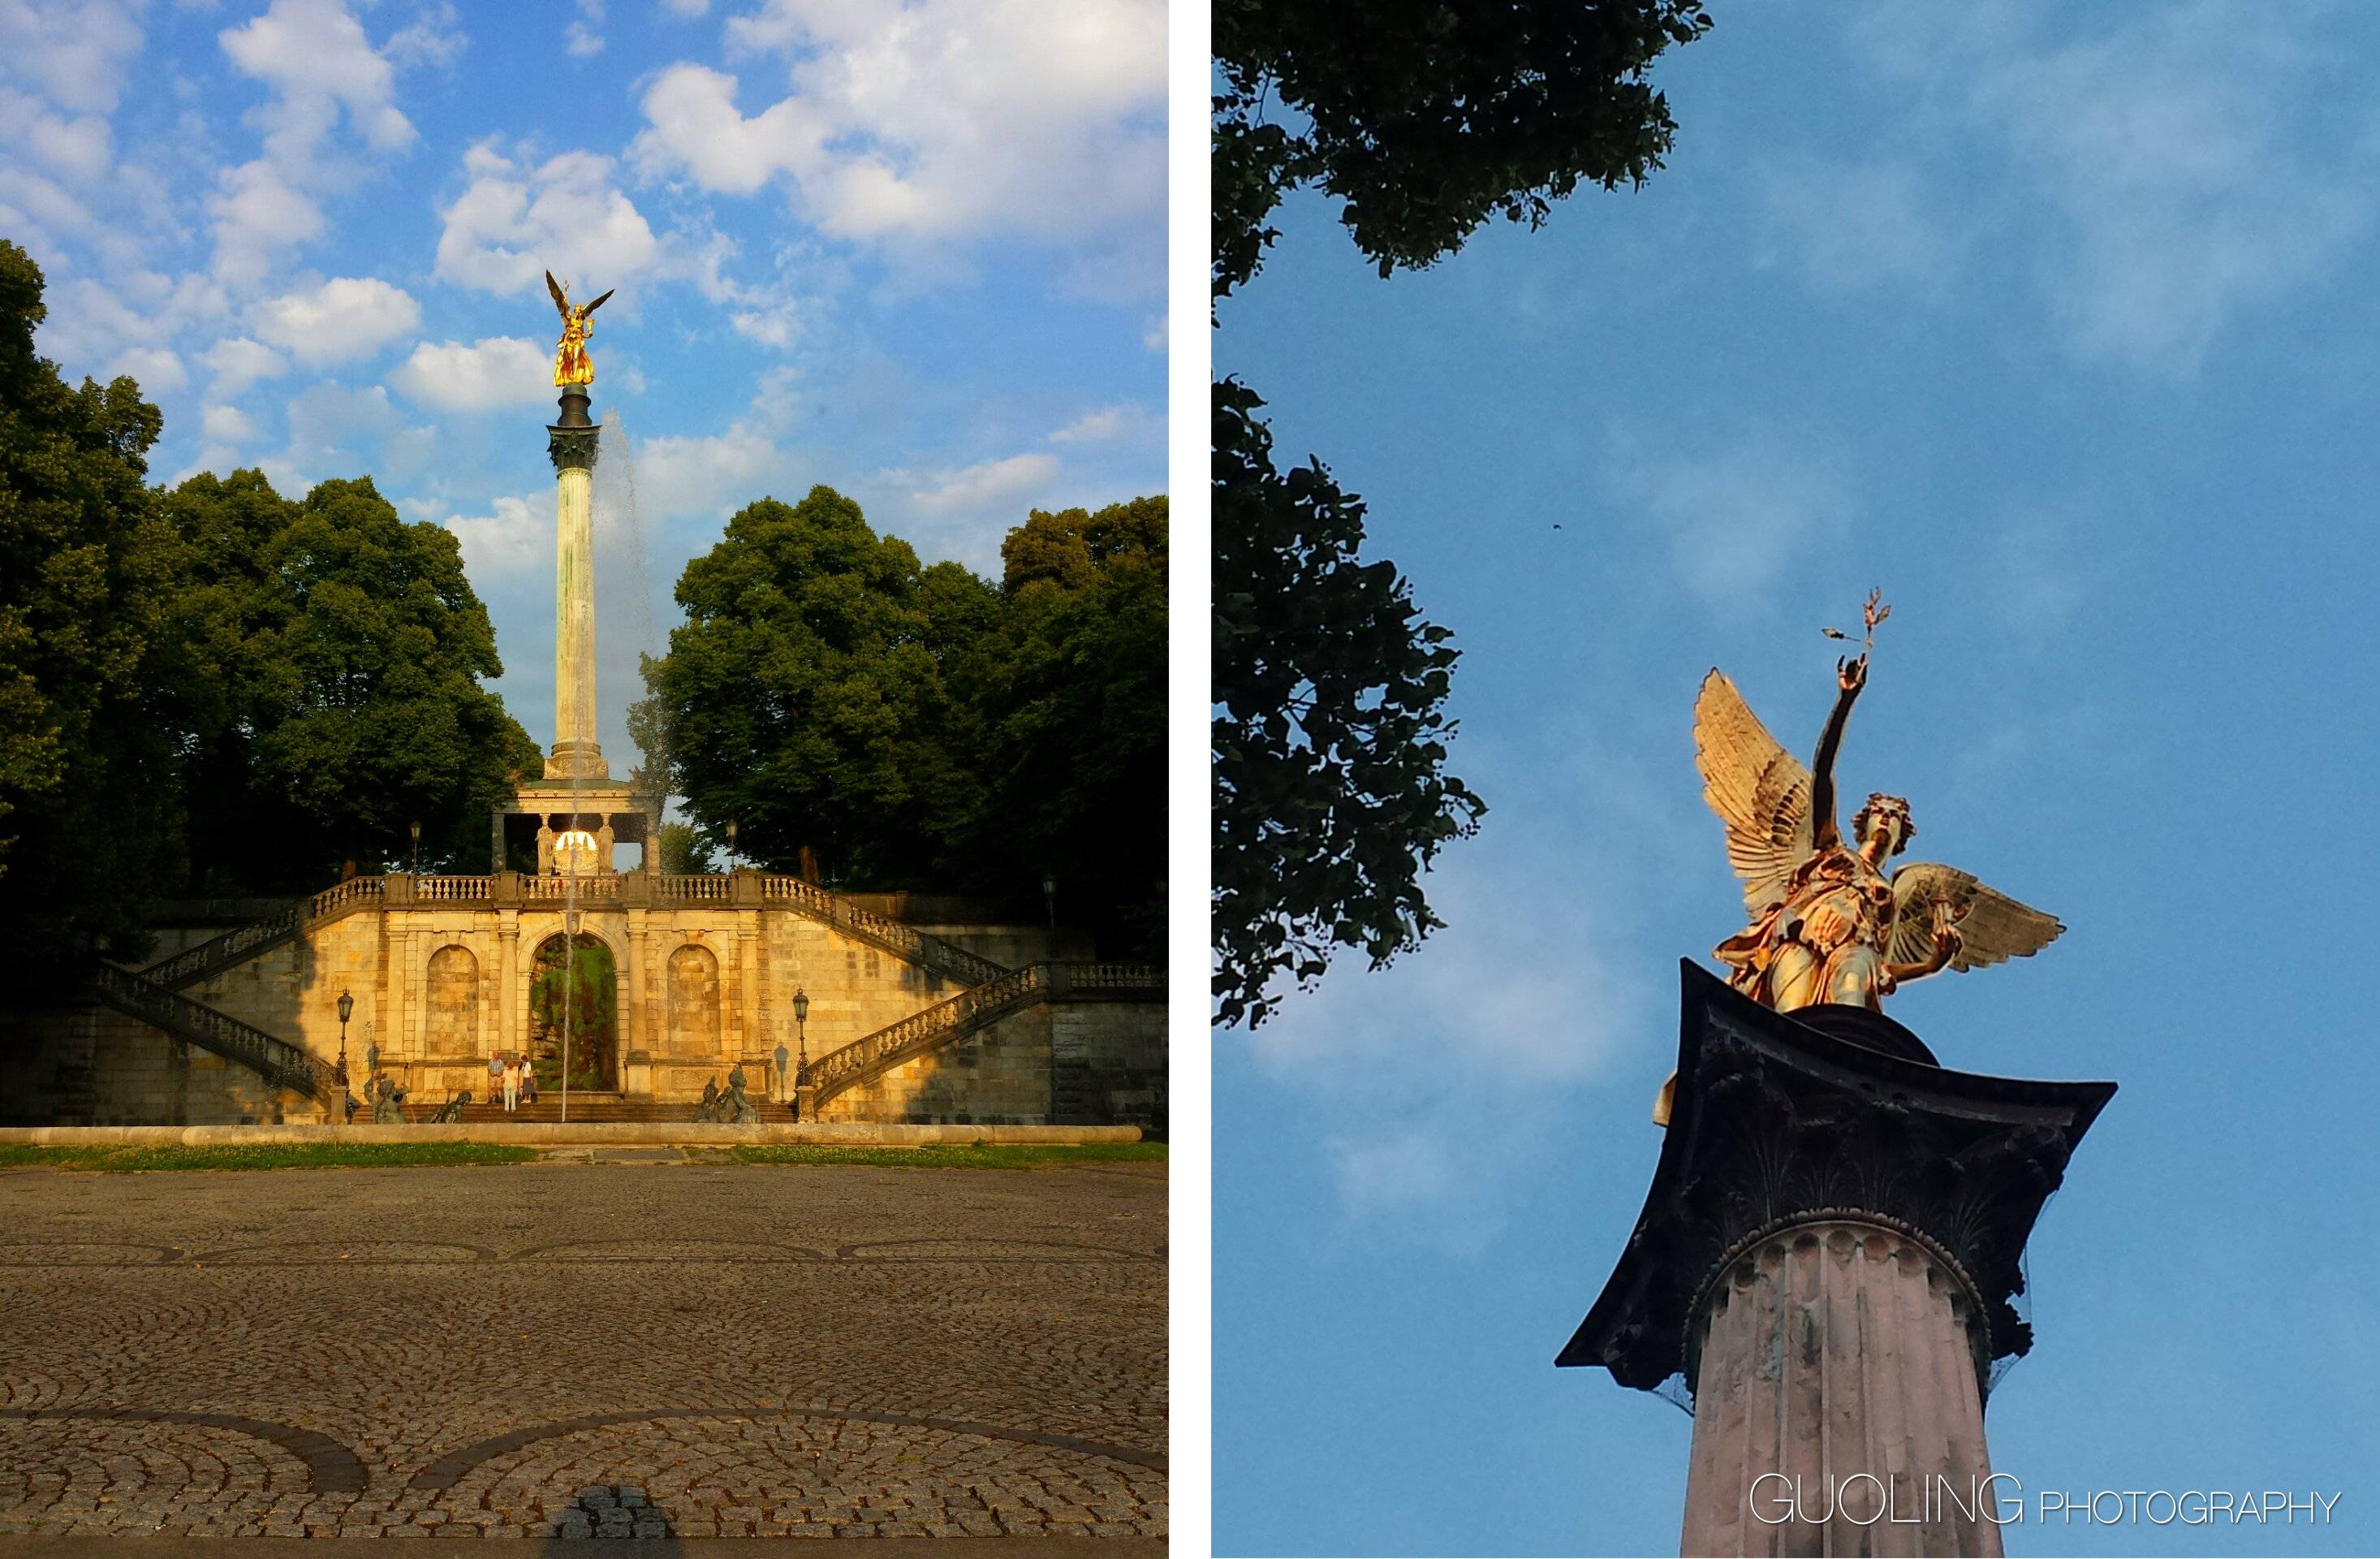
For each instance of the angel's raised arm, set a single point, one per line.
(1851, 676)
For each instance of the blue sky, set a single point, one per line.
(912, 250)
(2059, 326)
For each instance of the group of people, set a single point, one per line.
(512, 1079)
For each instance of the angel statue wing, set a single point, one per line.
(561, 299)
(598, 303)
(1759, 790)
(1993, 928)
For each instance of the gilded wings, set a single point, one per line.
(571, 313)
(1992, 926)
(1762, 794)
(1759, 790)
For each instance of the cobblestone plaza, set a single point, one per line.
(645, 1347)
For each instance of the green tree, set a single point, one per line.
(1331, 795)
(678, 850)
(1421, 119)
(89, 827)
(818, 696)
(1075, 718)
(349, 650)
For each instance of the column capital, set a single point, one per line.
(1829, 1113)
(572, 449)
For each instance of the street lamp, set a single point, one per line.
(1050, 899)
(802, 1031)
(731, 844)
(417, 849)
(347, 1007)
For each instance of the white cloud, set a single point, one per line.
(78, 147)
(237, 363)
(1102, 424)
(73, 51)
(1738, 515)
(318, 61)
(226, 425)
(495, 370)
(710, 477)
(437, 40)
(688, 8)
(580, 40)
(514, 536)
(979, 489)
(258, 214)
(511, 223)
(159, 371)
(343, 318)
(938, 119)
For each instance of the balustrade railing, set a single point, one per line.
(601, 887)
(277, 1061)
(453, 890)
(1114, 977)
(970, 1009)
(907, 940)
(194, 964)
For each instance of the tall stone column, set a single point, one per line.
(571, 442)
(1826, 1262)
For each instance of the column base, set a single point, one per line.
(577, 760)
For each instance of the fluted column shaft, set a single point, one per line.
(574, 607)
(1837, 1405)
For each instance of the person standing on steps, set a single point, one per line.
(511, 1083)
(527, 1080)
(495, 1094)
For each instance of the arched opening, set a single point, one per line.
(574, 996)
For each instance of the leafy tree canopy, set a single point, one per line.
(1074, 715)
(1330, 734)
(1425, 118)
(84, 830)
(809, 695)
(347, 649)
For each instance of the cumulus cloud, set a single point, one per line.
(73, 146)
(941, 119)
(713, 476)
(318, 61)
(343, 318)
(159, 371)
(237, 363)
(514, 536)
(495, 370)
(72, 52)
(226, 425)
(991, 484)
(314, 57)
(436, 39)
(513, 222)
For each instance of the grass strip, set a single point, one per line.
(973, 1155)
(262, 1155)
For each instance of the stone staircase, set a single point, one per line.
(275, 1060)
(589, 1107)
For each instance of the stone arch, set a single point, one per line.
(590, 997)
(452, 1000)
(693, 1001)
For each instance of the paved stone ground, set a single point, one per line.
(557, 1349)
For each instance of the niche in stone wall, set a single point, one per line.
(694, 1002)
(454, 999)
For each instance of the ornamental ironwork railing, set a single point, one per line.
(276, 1061)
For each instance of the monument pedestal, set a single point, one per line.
(1828, 1257)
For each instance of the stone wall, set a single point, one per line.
(1069, 1063)
(92, 1065)
(1111, 1064)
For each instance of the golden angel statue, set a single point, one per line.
(1830, 920)
(570, 363)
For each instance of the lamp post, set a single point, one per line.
(417, 849)
(731, 845)
(802, 1042)
(346, 1007)
(1050, 900)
